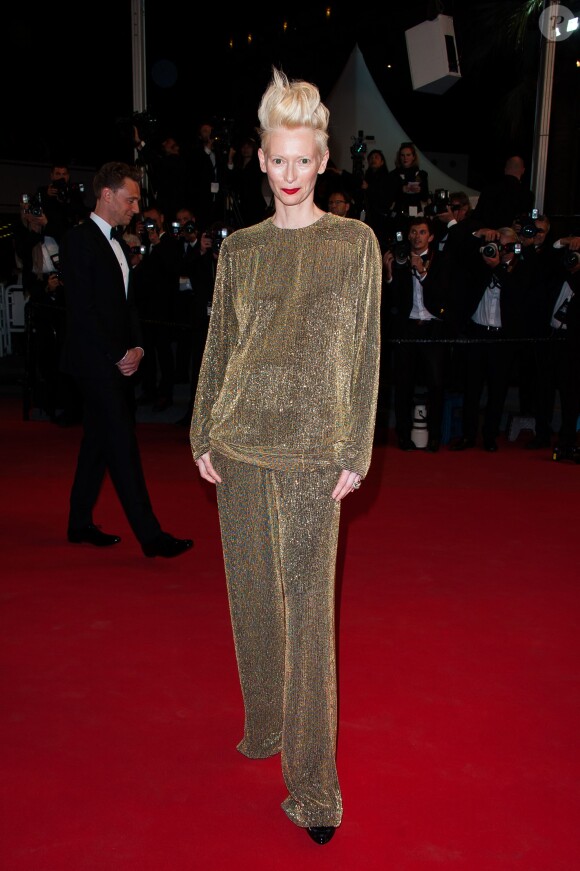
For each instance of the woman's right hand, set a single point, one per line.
(206, 470)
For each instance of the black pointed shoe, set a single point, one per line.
(166, 545)
(321, 834)
(91, 535)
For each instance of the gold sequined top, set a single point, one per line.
(289, 377)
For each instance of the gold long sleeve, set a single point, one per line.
(289, 377)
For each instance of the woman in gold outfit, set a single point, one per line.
(283, 423)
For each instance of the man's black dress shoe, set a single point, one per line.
(407, 444)
(321, 834)
(490, 445)
(166, 545)
(91, 535)
(462, 444)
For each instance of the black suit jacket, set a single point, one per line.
(399, 292)
(156, 280)
(573, 319)
(102, 323)
(471, 277)
(502, 202)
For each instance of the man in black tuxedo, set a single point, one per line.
(415, 287)
(156, 285)
(486, 303)
(556, 306)
(102, 350)
(196, 279)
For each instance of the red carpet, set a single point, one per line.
(459, 665)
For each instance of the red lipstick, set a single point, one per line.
(290, 190)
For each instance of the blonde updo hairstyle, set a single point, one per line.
(292, 103)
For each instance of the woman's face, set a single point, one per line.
(375, 160)
(406, 157)
(292, 163)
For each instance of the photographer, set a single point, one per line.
(340, 202)
(156, 281)
(557, 308)
(29, 236)
(245, 182)
(169, 176)
(207, 164)
(540, 259)
(194, 298)
(54, 391)
(501, 201)
(376, 196)
(45, 312)
(409, 185)
(416, 286)
(566, 318)
(488, 305)
(62, 202)
(452, 219)
(202, 274)
(44, 217)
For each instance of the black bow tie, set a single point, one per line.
(424, 257)
(116, 233)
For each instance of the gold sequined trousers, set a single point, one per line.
(279, 531)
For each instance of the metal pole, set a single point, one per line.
(139, 82)
(139, 76)
(543, 115)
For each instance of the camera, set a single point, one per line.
(64, 190)
(32, 206)
(147, 126)
(401, 248)
(570, 259)
(439, 203)
(149, 225)
(527, 224)
(494, 249)
(138, 249)
(56, 263)
(217, 236)
(175, 228)
(222, 135)
(188, 227)
(359, 145)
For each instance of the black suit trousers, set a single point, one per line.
(110, 444)
(489, 362)
(568, 375)
(419, 360)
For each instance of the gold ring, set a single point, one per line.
(356, 485)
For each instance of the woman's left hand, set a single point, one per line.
(347, 482)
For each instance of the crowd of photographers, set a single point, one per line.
(473, 302)
(172, 255)
(471, 310)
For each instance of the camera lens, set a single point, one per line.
(571, 258)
